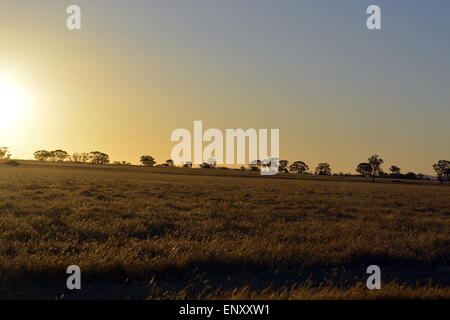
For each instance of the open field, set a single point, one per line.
(187, 233)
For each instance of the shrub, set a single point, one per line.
(12, 163)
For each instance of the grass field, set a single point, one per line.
(162, 233)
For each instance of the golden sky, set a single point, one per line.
(136, 72)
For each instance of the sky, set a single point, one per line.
(138, 70)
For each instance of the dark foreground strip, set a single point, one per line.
(260, 309)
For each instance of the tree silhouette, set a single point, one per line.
(42, 155)
(323, 169)
(411, 176)
(255, 165)
(170, 163)
(299, 167)
(375, 162)
(121, 163)
(148, 161)
(283, 166)
(442, 168)
(80, 157)
(211, 163)
(58, 155)
(4, 153)
(364, 169)
(395, 170)
(98, 157)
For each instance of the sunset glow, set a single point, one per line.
(12, 102)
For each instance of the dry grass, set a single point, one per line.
(176, 233)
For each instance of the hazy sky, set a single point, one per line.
(140, 69)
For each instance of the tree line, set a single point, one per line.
(95, 157)
(372, 168)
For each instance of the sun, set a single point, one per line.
(12, 102)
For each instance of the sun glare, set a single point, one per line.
(12, 102)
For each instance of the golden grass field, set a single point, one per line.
(161, 233)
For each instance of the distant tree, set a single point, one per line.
(211, 163)
(381, 173)
(299, 167)
(12, 163)
(375, 162)
(164, 165)
(148, 161)
(58, 155)
(84, 157)
(411, 176)
(75, 157)
(170, 163)
(442, 168)
(80, 157)
(283, 166)
(395, 171)
(187, 164)
(98, 157)
(323, 169)
(4, 153)
(42, 155)
(364, 169)
(255, 165)
(269, 165)
(121, 163)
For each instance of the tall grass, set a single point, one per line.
(149, 233)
